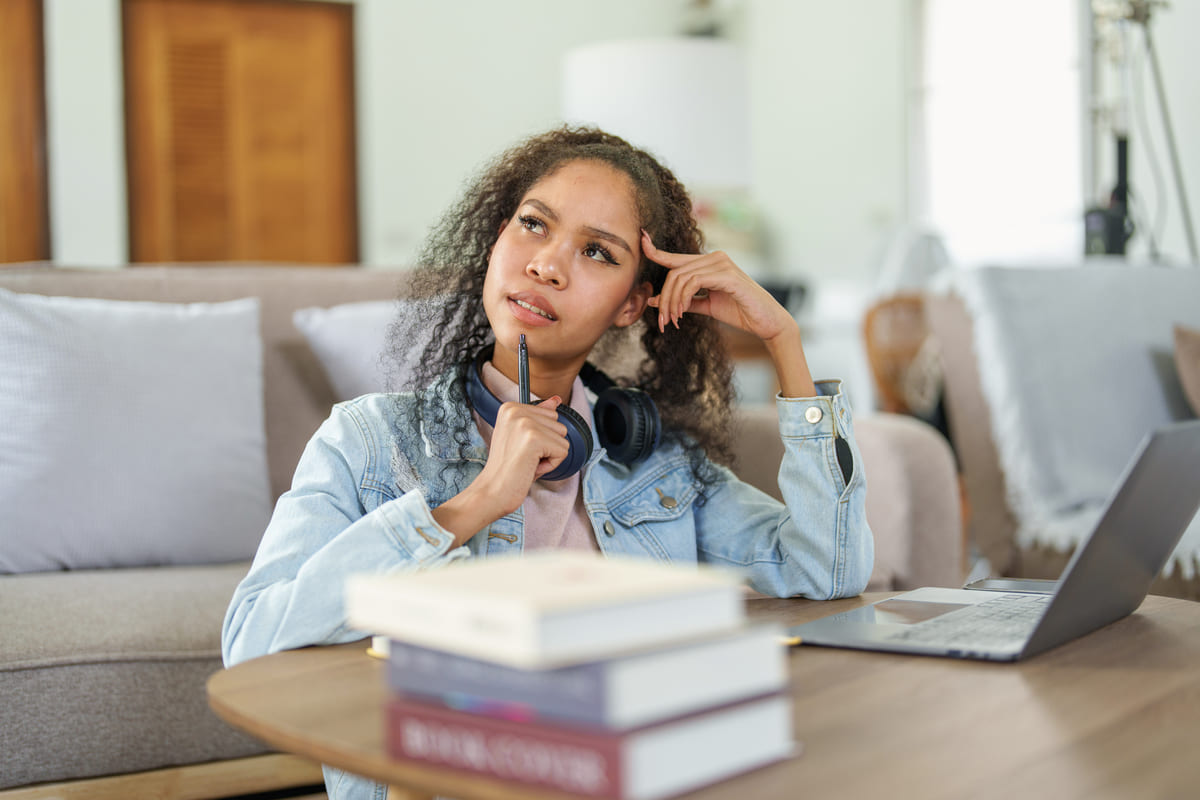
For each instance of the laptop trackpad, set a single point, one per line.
(875, 622)
(906, 612)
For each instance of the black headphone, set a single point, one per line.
(626, 419)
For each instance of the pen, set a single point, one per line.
(523, 371)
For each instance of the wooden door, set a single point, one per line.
(240, 131)
(24, 228)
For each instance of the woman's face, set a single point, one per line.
(562, 270)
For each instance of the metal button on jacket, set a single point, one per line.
(608, 527)
(813, 415)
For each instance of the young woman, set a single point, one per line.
(572, 239)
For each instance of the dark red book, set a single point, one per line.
(655, 761)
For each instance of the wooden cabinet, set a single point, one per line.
(240, 131)
(24, 229)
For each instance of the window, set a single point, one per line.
(999, 128)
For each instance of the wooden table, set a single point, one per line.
(1115, 714)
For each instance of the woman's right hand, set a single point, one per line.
(528, 441)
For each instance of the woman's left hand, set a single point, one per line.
(713, 285)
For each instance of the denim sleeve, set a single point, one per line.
(818, 544)
(338, 519)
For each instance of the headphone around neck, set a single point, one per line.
(627, 420)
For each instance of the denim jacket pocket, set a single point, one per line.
(839, 463)
(657, 512)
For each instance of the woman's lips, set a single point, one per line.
(532, 310)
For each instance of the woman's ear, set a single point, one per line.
(635, 304)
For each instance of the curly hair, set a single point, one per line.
(687, 371)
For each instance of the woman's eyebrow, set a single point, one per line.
(598, 233)
(543, 208)
(608, 237)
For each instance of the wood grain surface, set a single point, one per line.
(1114, 714)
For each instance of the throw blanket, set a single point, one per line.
(1076, 365)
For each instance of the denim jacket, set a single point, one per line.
(361, 497)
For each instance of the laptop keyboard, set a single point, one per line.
(1001, 621)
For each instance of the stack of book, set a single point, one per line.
(573, 672)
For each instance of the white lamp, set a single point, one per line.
(683, 99)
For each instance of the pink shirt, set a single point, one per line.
(554, 515)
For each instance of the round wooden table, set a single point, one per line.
(1115, 714)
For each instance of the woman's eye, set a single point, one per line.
(599, 253)
(531, 224)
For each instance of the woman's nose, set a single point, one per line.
(547, 266)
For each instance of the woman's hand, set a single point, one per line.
(528, 441)
(713, 285)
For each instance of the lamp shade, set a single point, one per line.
(682, 99)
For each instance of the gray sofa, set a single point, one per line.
(102, 671)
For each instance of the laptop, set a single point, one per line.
(1105, 580)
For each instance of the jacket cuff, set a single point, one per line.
(827, 414)
(417, 532)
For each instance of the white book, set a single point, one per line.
(549, 608)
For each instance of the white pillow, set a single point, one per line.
(132, 433)
(350, 340)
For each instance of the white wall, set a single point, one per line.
(828, 128)
(442, 86)
(85, 133)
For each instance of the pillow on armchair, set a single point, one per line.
(132, 433)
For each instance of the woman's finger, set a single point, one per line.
(668, 260)
(713, 285)
(685, 286)
(673, 261)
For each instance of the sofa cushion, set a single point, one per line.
(297, 393)
(1187, 363)
(350, 342)
(355, 344)
(133, 433)
(103, 671)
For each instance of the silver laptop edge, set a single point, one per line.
(1110, 574)
(1106, 579)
